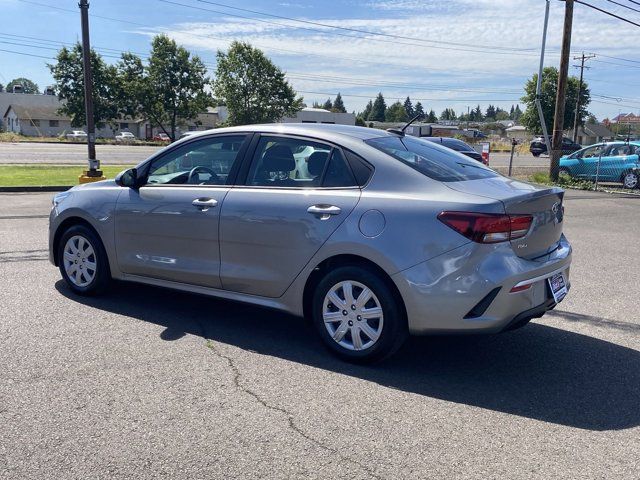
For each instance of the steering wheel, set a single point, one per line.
(202, 169)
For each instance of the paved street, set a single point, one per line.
(71, 154)
(147, 383)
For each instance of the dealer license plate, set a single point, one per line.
(558, 286)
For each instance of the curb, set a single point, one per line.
(45, 188)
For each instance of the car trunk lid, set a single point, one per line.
(544, 204)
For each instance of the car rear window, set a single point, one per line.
(457, 145)
(432, 160)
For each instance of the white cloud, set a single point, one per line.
(433, 58)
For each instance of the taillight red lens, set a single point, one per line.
(487, 228)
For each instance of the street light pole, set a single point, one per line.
(94, 165)
(582, 59)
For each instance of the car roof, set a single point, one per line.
(318, 130)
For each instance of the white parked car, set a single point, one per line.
(125, 137)
(76, 135)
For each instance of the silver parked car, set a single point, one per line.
(379, 236)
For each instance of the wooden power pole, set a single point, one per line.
(576, 117)
(94, 173)
(558, 120)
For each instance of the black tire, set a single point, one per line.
(535, 154)
(636, 179)
(394, 330)
(102, 274)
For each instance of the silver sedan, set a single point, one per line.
(379, 236)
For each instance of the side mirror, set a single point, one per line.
(127, 178)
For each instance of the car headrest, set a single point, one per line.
(278, 158)
(316, 162)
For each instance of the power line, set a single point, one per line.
(267, 47)
(371, 96)
(607, 12)
(623, 5)
(358, 30)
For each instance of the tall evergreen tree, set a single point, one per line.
(418, 109)
(366, 113)
(432, 118)
(518, 113)
(338, 104)
(327, 105)
(396, 113)
(512, 112)
(378, 109)
(491, 112)
(408, 107)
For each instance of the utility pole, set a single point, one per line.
(558, 121)
(94, 173)
(582, 59)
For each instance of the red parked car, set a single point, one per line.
(161, 137)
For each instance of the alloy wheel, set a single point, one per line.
(79, 261)
(352, 315)
(630, 180)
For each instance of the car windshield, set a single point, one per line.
(432, 160)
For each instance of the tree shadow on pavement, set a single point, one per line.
(538, 372)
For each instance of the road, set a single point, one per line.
(71, 154)
(146, 383)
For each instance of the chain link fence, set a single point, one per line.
(613, 166)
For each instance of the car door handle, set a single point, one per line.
(204, 203)
(324, 211)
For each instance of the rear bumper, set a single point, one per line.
(440, 294)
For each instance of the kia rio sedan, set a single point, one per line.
(378, 237)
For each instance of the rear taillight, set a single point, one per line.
(487, 228)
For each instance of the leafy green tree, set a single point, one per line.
(254, 89)
(408, 107)
(432, 117)
(396, 113)
(418, 110)
(27, 85)
(177, 82)
(338, 104)
(502, 115)
(448, 114)
(360, 121)
(367, 110)
(548, 91)
(1, 88)
(68, 75)
(518, 113)
(378, 109)
(327, 105)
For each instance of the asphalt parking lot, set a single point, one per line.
(146, 383)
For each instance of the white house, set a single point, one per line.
(320, 115)
(518, 132)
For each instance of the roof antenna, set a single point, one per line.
(400, 131)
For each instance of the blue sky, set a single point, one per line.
(455, 53)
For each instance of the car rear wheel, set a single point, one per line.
(357, 315)
(631, 180)
(83, 261)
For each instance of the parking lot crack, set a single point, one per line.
(238, 384)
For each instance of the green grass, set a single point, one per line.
(563, 181)
(45, 175)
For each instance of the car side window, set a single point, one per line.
(204, 162)
(288, 162)
(593, 152)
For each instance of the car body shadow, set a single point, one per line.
(537, 372)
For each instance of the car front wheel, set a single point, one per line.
(358, 316)
(631, 180)
(83, 261)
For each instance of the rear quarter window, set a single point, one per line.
(430, 159)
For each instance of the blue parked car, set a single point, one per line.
(619, 162)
